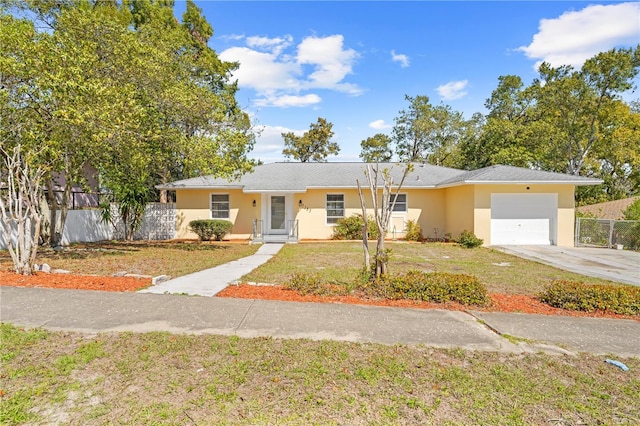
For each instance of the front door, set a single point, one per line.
(277, 215)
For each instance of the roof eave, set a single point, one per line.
(522, 182)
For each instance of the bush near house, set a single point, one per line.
(468, 239)
(413, 231)
(592, 297)
(350, 228)
(211, 228)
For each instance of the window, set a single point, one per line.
(220, 206)
(335, 208)
(401, 203)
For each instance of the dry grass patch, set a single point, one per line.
(139, 257)
(160, 378)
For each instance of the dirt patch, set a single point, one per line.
(499, 302)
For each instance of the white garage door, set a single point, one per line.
(523, 219)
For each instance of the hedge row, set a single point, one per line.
(436, 287)
(439, 287)
(592, 297)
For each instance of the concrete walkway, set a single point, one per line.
(210, 282)
(616, 265)
(96, 311)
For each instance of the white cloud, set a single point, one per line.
(274, 45)
(331, 61)
(281, 78)
(398, 57)
(453, 90)
(379, 125)
(576, 36)
(289, 100)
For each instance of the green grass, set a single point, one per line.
(341, 262)
(140, 257)
(160, 378)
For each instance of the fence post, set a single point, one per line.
(576, 236)
(611, 223)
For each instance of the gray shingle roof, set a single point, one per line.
(298, 177)
(510, 174)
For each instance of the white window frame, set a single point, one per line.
(406, 203)
(211, 203)
(326, 210)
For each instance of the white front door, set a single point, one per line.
(277, 220)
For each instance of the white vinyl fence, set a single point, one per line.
(85, 226)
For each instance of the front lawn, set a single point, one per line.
(341, 262)
(161, 378)
(139, 257)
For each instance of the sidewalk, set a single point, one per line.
(210, 282)
(96, 312)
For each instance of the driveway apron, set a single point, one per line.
(622, 266)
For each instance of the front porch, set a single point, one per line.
(290, 234)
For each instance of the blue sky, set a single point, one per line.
(352, 63)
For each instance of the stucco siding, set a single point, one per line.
(194, 204)
(459, 210)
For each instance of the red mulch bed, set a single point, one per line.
(72, 281)
(499, 302)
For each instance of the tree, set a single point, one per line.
(428, 133)
(383, 200)
(19, 215)
(376, 149)
(570, 121)
(126, 88)
(313, 145)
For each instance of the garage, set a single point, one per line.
(524, 219)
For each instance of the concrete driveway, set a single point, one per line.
(616, 265)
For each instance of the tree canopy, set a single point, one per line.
(314, 145)
(124, 87)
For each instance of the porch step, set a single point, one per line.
(275, 239)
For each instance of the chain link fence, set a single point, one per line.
(607, 233)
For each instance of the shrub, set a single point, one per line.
(350, 228)
(414, 232)
(437, 287)
(468, 239)
(305, 283)
(632, 212)
(580, 296)
(210, 228)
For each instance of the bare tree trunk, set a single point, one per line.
(19, 206)
(365, 230)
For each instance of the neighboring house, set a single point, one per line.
(608, 210)
(290, 201)
(81, 197)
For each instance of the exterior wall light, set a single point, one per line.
(254, 203)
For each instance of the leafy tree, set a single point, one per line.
(376, 149)
(570, 121)
(123, 87)
(633, 211)
(428, 133)
(314, 145)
